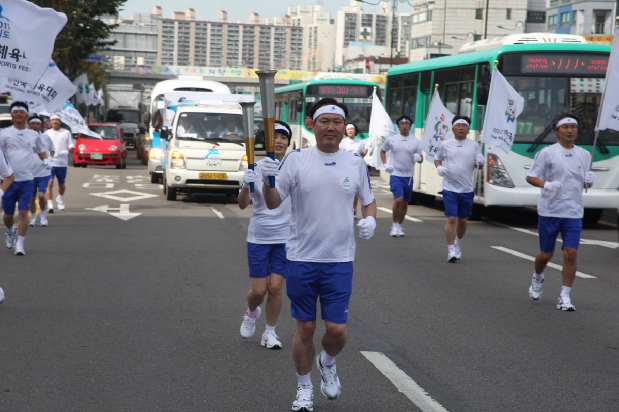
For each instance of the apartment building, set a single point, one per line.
(136, 41)
(318, 33)
(581, 17)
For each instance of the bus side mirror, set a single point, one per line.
(165, 134)
(482, 94)
(300, 107)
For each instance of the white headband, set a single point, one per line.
(282, 127)
(461, 121)
(350, 126)
(567, 120)
(35, 120)
(54, 116)
(19, 108)
(332, 109)
(404, 121)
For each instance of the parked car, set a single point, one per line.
(110, 150)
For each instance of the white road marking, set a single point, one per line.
(218, 213)
(112, 195)
(603, 243)
(532, 259)
(407, 217)
(98, 185)
(403, 382)
(123, 211)
(148, 186)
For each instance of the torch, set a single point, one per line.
(248, 129)
(266, 78)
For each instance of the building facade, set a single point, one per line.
(586, 18)
(136, 41)
(318, 33)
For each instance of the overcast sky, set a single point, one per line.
(237, 9)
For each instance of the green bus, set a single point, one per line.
(551, 72)
(292, 104)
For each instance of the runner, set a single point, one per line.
(321, 182)
(41, 174)
(6, 180)
(266, 248)
(353, 145)
(561, 171)
(63, 142)
(404, 150)
(18, 144)
(455, 161)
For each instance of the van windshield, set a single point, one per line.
(210, 126)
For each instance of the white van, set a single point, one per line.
(206, 147)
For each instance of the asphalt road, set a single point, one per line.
(138, 308)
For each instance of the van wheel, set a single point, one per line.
(477, 212)
(170, 193)
(427, 200)
(591, 216)
(154, 178)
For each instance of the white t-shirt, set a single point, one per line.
(568, 166)
(352, 145)
(402, 149)
(20, 147)
(5, 168)
(321, 187)
(62, 140)
(459, 157)
(41, 170)
(267, 226)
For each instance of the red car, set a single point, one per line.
(111, 150)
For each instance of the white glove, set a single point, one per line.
(480, 159)
(269, 167)
(417, 158)
(1, 193)
(47, 164)
(442, 172)
(552, 187)
(250, 176)
(366, 227)
(589, 178)
(388, 168)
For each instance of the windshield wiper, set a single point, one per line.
(587, 128)
(220, 139)
(599, 144)
(540, 138)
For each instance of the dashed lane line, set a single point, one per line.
(532, 259)
(407, 217)
(218, 213)
(403, 382)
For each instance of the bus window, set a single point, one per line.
(409, 98)
(395, 104)
(451, 98)
(293, 114)
(466, 99)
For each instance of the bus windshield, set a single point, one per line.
(210, 126)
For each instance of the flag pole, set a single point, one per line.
(482, 145)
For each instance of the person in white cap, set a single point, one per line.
(20, 145)
(561, 171)
(41, 175)
(455, 162)
(353, 145)
(404, 150)
(63, 142)
(321, 183)
(266, 247)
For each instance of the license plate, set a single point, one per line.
(213, 175)
(96, 156)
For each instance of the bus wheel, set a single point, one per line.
(591, 216)
(477, 212)
(427, 200)
(415, 198)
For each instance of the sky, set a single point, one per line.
(237, 9)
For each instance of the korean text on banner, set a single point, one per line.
(504, 106)
(27, 36)
(72, 118)
(381, 127)
(609, 106)
(438, 127)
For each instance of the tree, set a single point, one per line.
(83, 35)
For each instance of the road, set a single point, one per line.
(129, 302)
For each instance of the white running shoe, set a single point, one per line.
(394, 231)
(50, 206)
(535, 290)
(564, 303)
(10, 237)
(1, 295)
(19, 250)
(33, 222)
(330, 383)
(451, 256)
(458, 252)
(248, 327)
(60, 201)
(44, 221)
(305, 399)
(400, 231)
(270, 340)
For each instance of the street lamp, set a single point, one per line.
(469, 35)
(518, 25)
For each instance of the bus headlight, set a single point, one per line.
(244, 164)
(177, 161)
(496, 173)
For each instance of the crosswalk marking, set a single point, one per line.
(532, 259)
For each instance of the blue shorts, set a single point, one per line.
(400, 187)
(550, 227)
(20, 193)
(457, 204)
(40, 184)
(60, 173)
(332, 282)
(266, 259)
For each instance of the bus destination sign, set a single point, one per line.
(571, 64)
(335, 90)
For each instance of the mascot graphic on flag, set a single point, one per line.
(440, 129)
(511, 111)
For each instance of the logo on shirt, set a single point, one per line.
(578, 168)
(568, 155)
(330, 164)
(346, 183)
(409, 147)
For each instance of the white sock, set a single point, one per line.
(539, 277)
(21, 239)
(270, 328)
(42, 214)
(326, 360)
(252, 314)
(304, 379)
(450, 248)
(565, 291)
(395, 224)
(458, 241)
(34, 216)
(50, 204)
(61, 197)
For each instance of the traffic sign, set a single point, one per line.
(94, 58)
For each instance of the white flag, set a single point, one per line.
(51, 92)
(81, 83)
(609, 106)
(72, 118)
(504, 106)
(101, 97)
(27, 36)
(438, 127)
(381, 127)
(90, 93)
